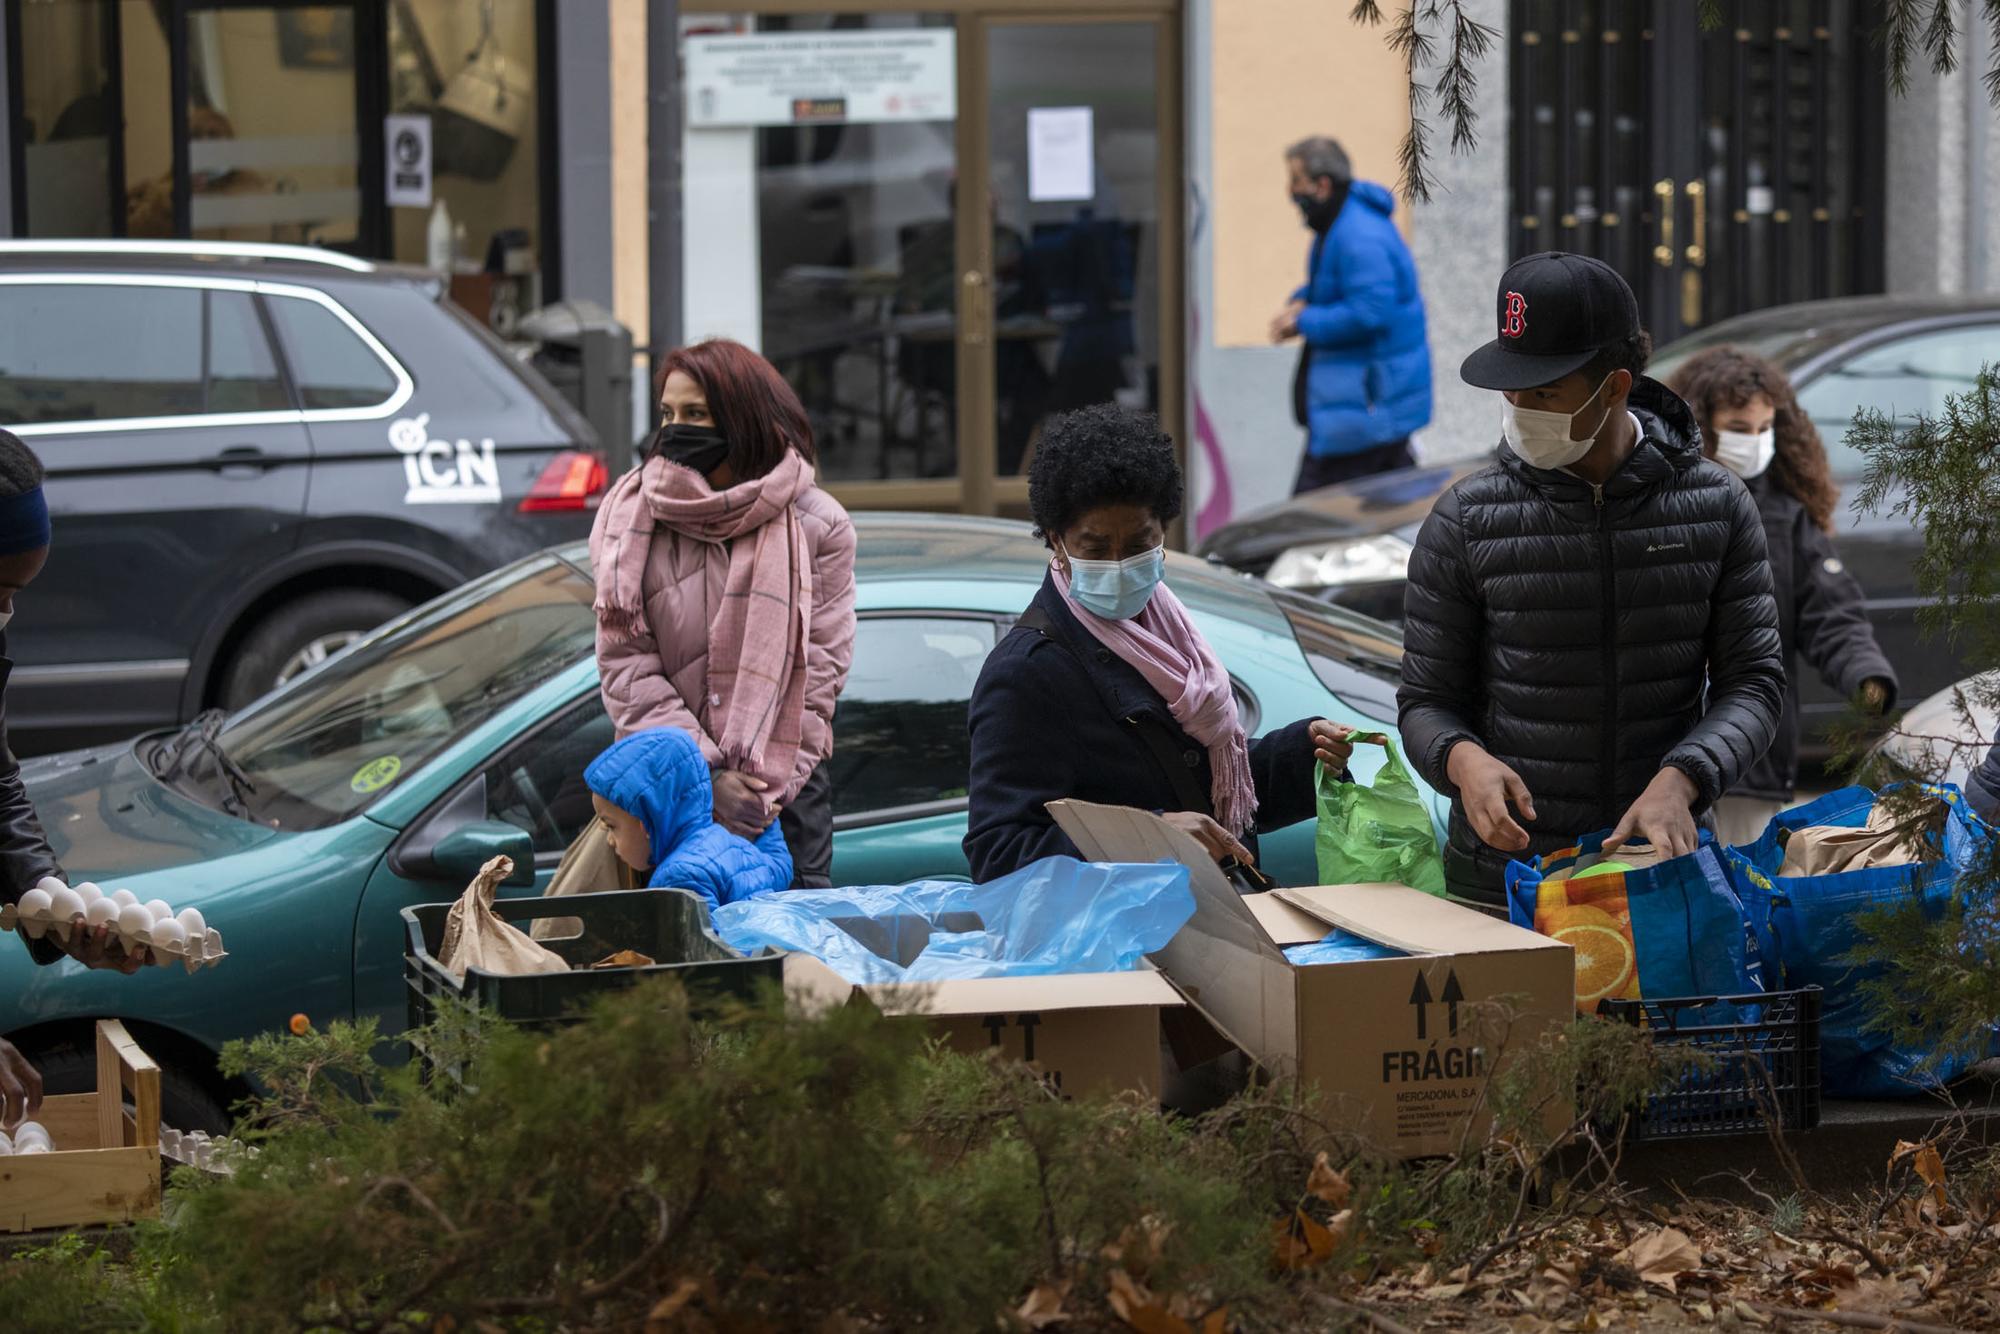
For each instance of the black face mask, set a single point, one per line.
(1320, 213)
(702, 448)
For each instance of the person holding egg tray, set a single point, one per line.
(26, 860)
(652, 794)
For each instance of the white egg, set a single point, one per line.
(66, 904)
(168, 934)
(192, 922)
(133, 919)
(89, 893)
(124, 896)
(49, 883)
(25, 1149)
(34, 902)
(159, 908)
(6, 1145)
(99, 911)
(30, 1133)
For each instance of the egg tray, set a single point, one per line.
(197, 1149)
(192, 953)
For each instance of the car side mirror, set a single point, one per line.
(459, 854)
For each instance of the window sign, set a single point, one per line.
(409, 160)
(788, 78)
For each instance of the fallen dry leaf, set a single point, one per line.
(1303, 1241)
(1326, 1184)
(1661, 1256)
(1043, 1308)
(671, 1312)
(1140, 1310)
(624, 959)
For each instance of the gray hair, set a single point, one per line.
(1321, 156)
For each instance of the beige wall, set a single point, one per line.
(628, 166)
(1281, 70)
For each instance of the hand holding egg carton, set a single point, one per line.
(52, 907)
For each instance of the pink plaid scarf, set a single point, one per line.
(757, 637)
(1162, 644)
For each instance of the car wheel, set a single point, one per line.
(185, 1102)
(300, 636)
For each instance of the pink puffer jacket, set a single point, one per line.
(660, 679)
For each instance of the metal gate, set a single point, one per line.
(1720, 171)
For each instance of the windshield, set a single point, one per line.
(316, 753)
(1337, 641)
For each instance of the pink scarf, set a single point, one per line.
(757, 636)
(1162, 644)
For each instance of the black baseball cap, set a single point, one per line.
(1555, 312)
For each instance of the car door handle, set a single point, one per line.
(240, 461)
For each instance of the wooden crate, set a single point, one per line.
(106, 1164)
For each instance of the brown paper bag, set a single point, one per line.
(587, 866)
(475, 937)
(1833, 849)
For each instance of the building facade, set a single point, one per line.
(945, 223)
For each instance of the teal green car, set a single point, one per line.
(304, 824)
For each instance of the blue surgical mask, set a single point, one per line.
(1117, 590)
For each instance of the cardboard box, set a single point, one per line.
(1085, 1032)
(1404, 1047)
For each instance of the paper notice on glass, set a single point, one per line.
(1059, 154)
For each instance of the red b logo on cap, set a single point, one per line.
(1514, 322)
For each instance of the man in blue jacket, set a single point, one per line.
(1364, 378)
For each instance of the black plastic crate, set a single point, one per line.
(1763, 1069)
(670, 925)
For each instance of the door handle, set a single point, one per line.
(1697, 251)
(1664, 200)
(240, 461)
(975, 313)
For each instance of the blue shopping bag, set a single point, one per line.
(1682, 920)
(1809, 926)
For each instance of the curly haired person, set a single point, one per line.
(1105, 690)
(1752, 424)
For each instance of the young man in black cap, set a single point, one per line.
(1591, 640)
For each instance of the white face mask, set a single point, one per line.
(1745, 454)
(1547, 439)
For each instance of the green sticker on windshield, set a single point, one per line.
(377, 774)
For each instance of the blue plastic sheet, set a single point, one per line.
(1058, 915)
(1809, 924)
(1338, 946)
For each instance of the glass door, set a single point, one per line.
(267, 106)
(1070, 234)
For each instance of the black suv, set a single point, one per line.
(255, 454)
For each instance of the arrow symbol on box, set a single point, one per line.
(1420, 997)
(1451, 996)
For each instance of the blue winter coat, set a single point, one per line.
(660, 777)
(1368, 377)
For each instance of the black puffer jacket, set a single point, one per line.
(1821, 614)
(1572, 631)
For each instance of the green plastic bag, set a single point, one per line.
(1380, 833)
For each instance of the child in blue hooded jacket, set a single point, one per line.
(652, 791)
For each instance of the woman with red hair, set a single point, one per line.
(725, 595)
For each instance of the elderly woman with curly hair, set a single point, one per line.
(1752, 424)
(1105, 690)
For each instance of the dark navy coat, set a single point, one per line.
(1048, 721)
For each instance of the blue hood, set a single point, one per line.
(660, 777)
(1374, 196)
